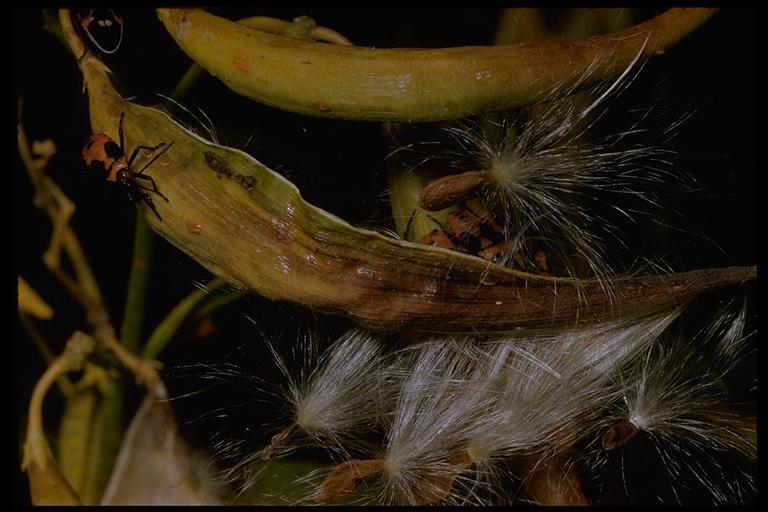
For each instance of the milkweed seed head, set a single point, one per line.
(467, 408)
(556, 189)
(503, 418)
(329, 399)
(342, 394)
(675, 393)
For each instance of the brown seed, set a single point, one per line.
(276, 441)
(342, 479)
(443, 192)
(436, 488)
(619, 434)
(541, 260)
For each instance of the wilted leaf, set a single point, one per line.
(155, 465)
(47, 486)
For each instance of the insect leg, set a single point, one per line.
(136, 195)
(408, 226)
(151, 204)
(154, 185)
(135, 152)
(166, 147)
(121, 133)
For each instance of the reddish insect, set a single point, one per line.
(104, 155)
(472, 229)
(103, 27)
(438, 238)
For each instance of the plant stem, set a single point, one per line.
(192, 74)
(218, 301)
(411, 221)
(165, 331)
(130, 331)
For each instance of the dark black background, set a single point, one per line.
(339, 165)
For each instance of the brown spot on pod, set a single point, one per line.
(217, 164)
(247, 182)
(194, 227)
(242, 62)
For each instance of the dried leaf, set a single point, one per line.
(47, 486)
(155, 465)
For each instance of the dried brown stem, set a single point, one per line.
(84, 288)
(65, 385)
(47, 484)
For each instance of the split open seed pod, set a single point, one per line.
(250, 226)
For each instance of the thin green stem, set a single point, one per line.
(165, 331)
(106, 436)
(52, 25)
(194, 72)
(130, 331)
(411, 221)
(218, 301)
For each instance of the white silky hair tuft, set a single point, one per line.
(548, 175)
(465, 408)
(470, 420)
(676, 393)
(341, 394)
